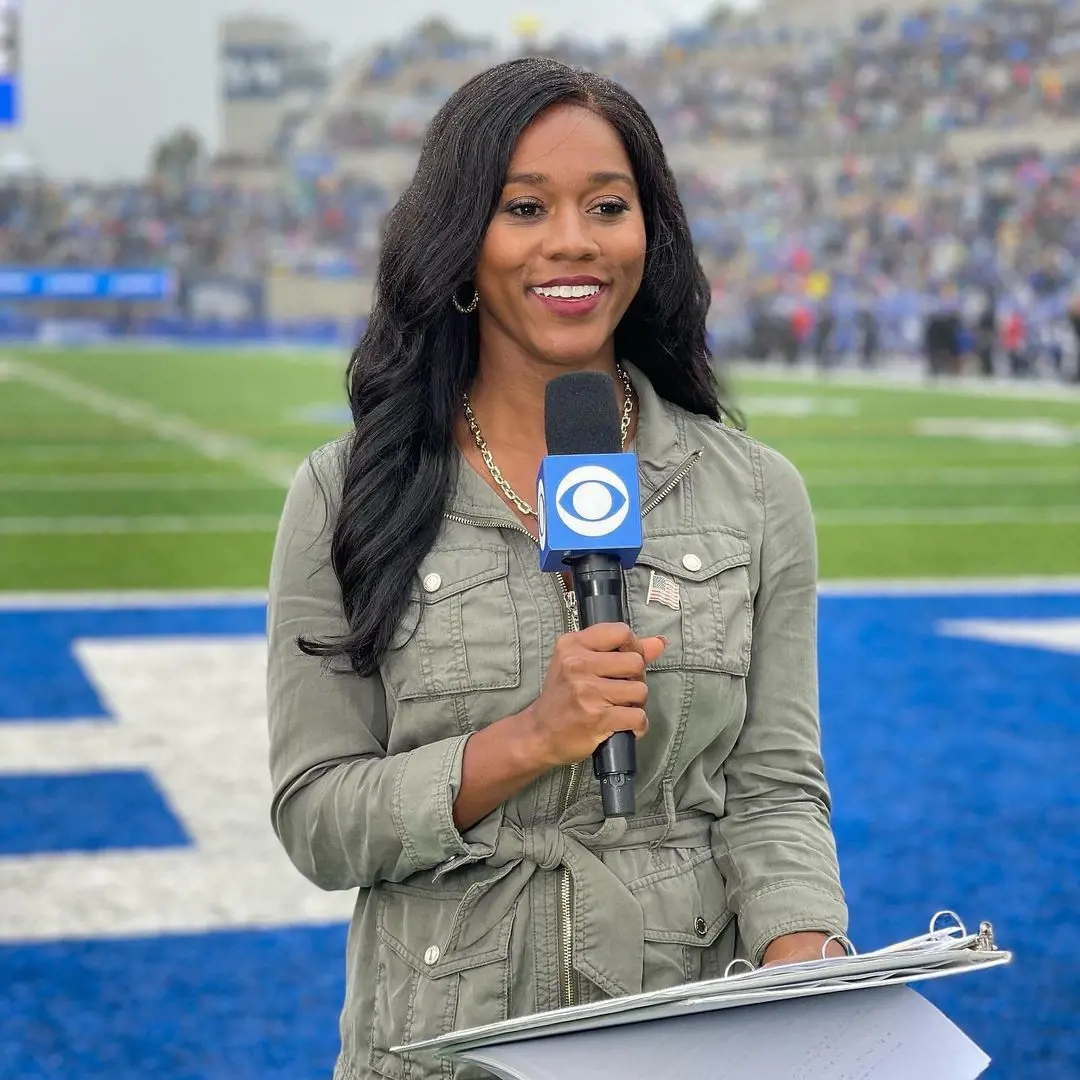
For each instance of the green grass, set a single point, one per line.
(102, 486)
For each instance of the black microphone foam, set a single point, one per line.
(581, 414)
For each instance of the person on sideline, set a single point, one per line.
(433, 705)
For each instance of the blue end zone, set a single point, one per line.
(93, 812)
(255, 1005)
(40, 677)
(952, 764)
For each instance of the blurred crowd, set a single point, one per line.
(225, 228)
(865, 260)
(942, 69)
(997, 63)
(861, 257)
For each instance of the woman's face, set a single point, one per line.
(565, 252)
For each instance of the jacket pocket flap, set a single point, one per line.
(449, 571)
(697, 556)
(416, 925)
(686, 904)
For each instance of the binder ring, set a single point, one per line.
(848, 947)
(959, 930)
(737, 960)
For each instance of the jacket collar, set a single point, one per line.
(662, 439)
(661, 443)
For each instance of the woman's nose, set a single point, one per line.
(568, 235)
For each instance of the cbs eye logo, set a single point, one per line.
(592, 501)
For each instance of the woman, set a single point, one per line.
(437, 766)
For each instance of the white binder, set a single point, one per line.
(794, 995)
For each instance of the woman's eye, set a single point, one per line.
(611, 207)
(524, 210)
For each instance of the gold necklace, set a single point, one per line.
(489, 461)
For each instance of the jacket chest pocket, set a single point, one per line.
(694, 588)
(460, 631)
(426, 986)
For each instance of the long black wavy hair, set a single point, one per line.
(418, 355)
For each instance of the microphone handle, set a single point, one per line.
(598, 587)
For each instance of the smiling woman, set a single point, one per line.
(437, 764)
(570, 201)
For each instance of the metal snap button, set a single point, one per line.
(701, 927)
(692, 563)
(432, 583)
(432, 955)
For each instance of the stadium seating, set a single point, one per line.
(891, 161)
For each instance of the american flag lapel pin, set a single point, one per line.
(663, 590)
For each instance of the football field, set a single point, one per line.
(157, 469)
(150, 925)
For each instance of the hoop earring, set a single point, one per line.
(473, 304)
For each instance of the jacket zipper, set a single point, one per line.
(671, 483)
(570, 613)
(565, 936)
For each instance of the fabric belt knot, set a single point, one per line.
(544, 845)
(605, 911)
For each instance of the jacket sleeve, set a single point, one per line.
(775, 843)
(347, 813)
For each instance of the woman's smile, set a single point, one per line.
(570, 297)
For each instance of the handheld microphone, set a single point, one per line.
(589, 511)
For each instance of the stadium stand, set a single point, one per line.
(846, 177)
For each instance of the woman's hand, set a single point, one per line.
(595, 686)
(805, 945)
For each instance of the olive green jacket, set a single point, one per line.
(544, 902)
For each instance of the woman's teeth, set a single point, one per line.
(566, 292)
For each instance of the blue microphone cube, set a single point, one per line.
(588, 504)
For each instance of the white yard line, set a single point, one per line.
(960, 475)
(910, 380)
(77, 525)
(329, 355)
(947, 516)
(902, 375)
(130, 598)
(76, 482)
(111, 452)
(172, 427)
(173, 524)
(839, 587)
(975, 586)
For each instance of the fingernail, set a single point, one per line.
(665, 640)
